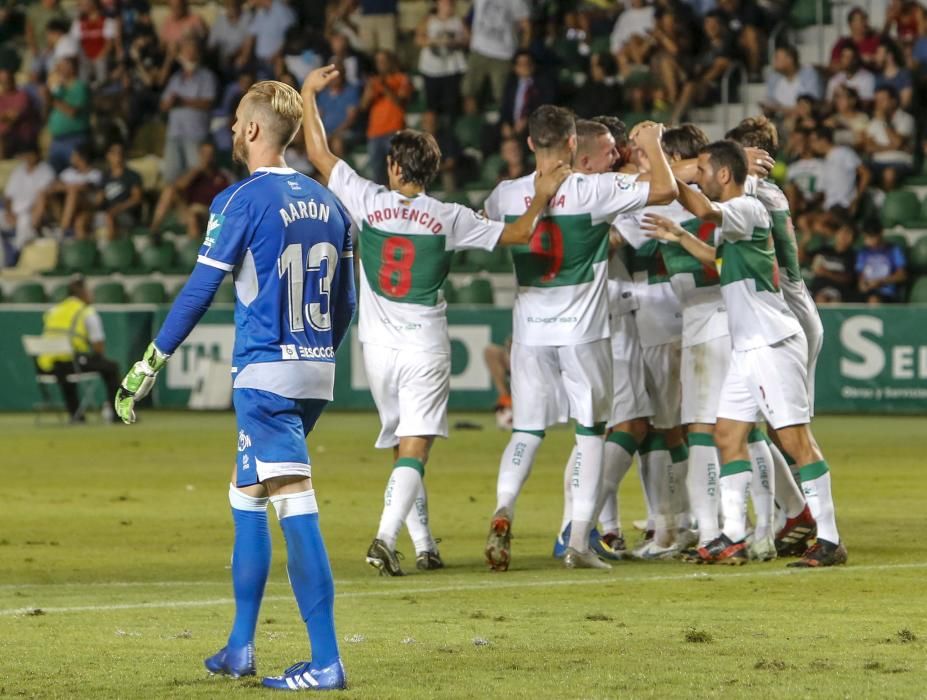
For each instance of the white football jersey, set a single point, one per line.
(562, 297)
(406, 245)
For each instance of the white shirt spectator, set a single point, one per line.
(862, 81)
(634, 20)
(73, 176)
(840, 166)
(807, 174)
(228, 37)
(784, 92)
(494, 32)
(269, 28)
(903, 124)
(22, 189)
(438, 62)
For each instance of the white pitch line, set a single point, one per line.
(496, 584)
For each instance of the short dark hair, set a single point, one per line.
(417, 154)
(872, 227)
(587, 128)
(892, 47)
(728, 154)
(82, 150)
(857, 11)
(824, 132)
(758, 132)
(550, 126)
(616, 126)
(891, 90)
(685, 141)
(791, 51)
(77, 285)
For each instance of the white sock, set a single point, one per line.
(762, 488)
(616, 462)
(568, 491)
(657, 486)
(586, 483)
(514, 468)
(788, 494)
(816, 486)
(417, 522)
(734, 499)
(679, 494)
(702, 485)
(401, 489)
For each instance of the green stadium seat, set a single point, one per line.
(469, 131)
(148, 293)
(500, 260)
(804, 13)
(479, 291)
(225, 294)
(450, 292)
(898, 239)
(109, 293)
(118, 256)
(59, 293)
(158, 257)
(901, 208)
(27, 293)
(917, 257)
(77, 256)
(599, 44)
(918, 293)
(187, 252)
(479, 260)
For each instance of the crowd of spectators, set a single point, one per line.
(86, 86)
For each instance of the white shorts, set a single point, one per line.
(815, 337)
(770, 380)
(630, 399)
(548, 380)
(704, 367)
(661, 375)
(410, 390)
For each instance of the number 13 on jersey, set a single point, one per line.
(320, 263)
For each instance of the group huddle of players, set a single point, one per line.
(659, 306)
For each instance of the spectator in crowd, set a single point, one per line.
(179, 25)
(385, 97)
(862, 37)
(38, 15)
(852, 73)
(75, 319)
(187, 100)
(59, 45)
(449, 148)
(902, 20)
(193, 192)
(339, 107)
(717, 52)
(19, 123)
(630, 38)
(892, 71)
(120, 197)
(303, 51)
(97, 36)
(229, 34)
(497, 29)
(807, 114)
(525, 90)
(442, 38)
(344, 55)
(834, 268)
(805, 174)
(72, 196)
(30, 177)
(377, 25)
(787, 81)
(272, 19)
(747, 21)
(845, 177)
(671, 42)
(513, 160)
(889, 139)
(601, 92)
(69, 117)
(221, 122)
(848, 120)
(881, 267)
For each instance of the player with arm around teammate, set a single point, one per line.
(407, 240)
(286, 240)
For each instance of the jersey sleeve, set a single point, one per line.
(629, 228)
(354, 191)
(738, 219)
(471, 230)
(616, 193)
(228, 233)
(491, 205)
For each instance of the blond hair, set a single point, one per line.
(277, 107)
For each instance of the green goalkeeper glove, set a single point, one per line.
(138, 382)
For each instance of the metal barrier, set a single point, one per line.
(726, 93)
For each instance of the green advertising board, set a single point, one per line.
(874, 358)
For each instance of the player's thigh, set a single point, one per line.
(271, 436)
(702, 371)
(661, 372)
(736, 402)
(538, 397)
(815, 337)
(383, 380)
(587, 378)
(777, 378)
(424, 387)
(630, 398)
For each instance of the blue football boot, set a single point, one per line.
(561, 542)
(232, 662)
(301, 677)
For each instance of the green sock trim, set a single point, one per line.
(536, 433)
(756, 435)
(626, 440)
(701, 439)
(416, 464)
(736, 467)
(680, 453)
(788, 459)
(654, 442)
(813, 471)
(597, 429)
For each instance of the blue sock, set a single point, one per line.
(310, 572)
(250, 563)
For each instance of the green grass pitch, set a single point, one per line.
(114, 582)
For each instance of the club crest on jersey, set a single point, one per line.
(623, 182)
(213, 229)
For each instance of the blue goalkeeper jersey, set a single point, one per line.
(287, 242)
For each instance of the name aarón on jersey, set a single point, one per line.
(305, 210)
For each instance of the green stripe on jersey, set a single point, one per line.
(649, 258)
(562, 251)
(786, 248)
(404, 268)
(679, 261)
(752, 259)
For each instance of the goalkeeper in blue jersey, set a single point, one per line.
(286, 241)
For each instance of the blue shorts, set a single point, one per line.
(272, 433)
